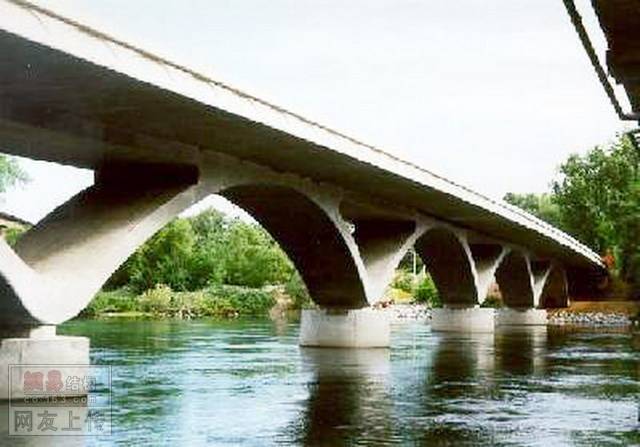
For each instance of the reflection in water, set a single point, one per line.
(348, 396)
(248, 383)
(520, 351)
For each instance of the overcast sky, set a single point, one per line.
(493, 94)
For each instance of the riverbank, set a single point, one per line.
(221, 301)
(228, 302)
(563, 317)
(407, 312)
(596, 313)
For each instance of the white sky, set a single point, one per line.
(493, 94)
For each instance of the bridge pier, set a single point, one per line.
(463, 318)
(521, 316)
(38, 350)
(344, 328)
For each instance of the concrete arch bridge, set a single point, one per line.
(160, 137)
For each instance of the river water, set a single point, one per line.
(246, 382)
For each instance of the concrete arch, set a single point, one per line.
(515, 279)
(382, 245)
(59, 264)
(555, 293)
(487, 257)
(320, 246)
(448, 259)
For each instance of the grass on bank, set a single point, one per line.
(222, 301)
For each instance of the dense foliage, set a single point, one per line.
(11, 173)
(418, 288)
(209, 249)
(542, 206)
(596, 198)
(599, 198)
(426, 292)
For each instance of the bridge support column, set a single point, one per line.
(521, 316)
(344, 328)
(38, 350)
(463, 319)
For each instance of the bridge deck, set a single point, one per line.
(72, 95)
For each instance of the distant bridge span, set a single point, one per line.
(161, 137)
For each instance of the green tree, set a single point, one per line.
(205, 250)
(427, 293)
(542, 206)
(11, 173)
(598, 195)
(165, 259)
(253, 258)
(211, 230)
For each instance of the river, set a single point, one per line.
(246, 382)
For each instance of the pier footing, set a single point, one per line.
(344, 328)
(521, 317)
(32, 358)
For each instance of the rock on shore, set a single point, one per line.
(407, 312)
(563, 317)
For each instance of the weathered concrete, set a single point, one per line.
(463, 319)
(521, 317)
(41, 352)
(344, 328)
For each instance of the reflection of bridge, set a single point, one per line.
(161, 137)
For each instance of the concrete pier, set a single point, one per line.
(513, 316)
(463, 319)
(32, 353)
(344, 328)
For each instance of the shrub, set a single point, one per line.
(493, 301)
(253, 258)
(118, 300)
(398, 296)
(156, 300)
(403, 280)
(241, 300)
(297, 291)
(426, 292)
